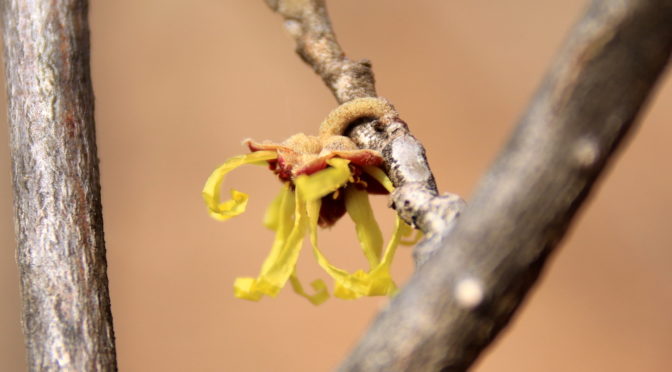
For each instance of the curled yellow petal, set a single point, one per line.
(376, 282)
(244, 288)
(321, 292)
(278, 218)
(326, 181)
(369, 235)
(313, 211)
(230, 208)
(211, 191)
(281, 261)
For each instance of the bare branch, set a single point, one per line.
(307, 21)
(416, 197)
(456, 304)
(59, 227)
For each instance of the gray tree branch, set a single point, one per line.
(67, 320)
(456, 304)
(416, 198)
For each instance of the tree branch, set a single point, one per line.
(456, 304)
(67, 320)
(307, 21)
(416, 197)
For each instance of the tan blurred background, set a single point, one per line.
(180, 83)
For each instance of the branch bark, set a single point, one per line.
(416, 198)
(456, 304)
(67, 320)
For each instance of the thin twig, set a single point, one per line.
(307, 21)
(416, 197)
(67, 320)
(456, 304)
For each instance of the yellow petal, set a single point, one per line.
(211, 191)
(273, 213)
(376, 282)
(369, 235)
(321, 292)
(281, 261)
(230, 208)
(284, 216)
(313, 210)
(279, 218)
(382, 271)
(324, 182)
(406, 230)
(380, 176)
(244, 288)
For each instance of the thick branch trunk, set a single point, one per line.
(456, 304)
(59, 227)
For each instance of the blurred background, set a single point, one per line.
(179, 84)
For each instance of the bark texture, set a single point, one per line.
(67, 320)
(456, 304)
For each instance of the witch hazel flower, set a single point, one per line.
(323, 178)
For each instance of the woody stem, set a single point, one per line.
(416, 198)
